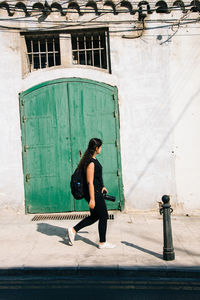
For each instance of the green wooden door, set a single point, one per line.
(57, 119)
(94, 113)
(46, 148)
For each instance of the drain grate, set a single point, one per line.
(65, 217)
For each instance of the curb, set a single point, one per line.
(100, 271)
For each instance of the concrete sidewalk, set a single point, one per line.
(138, 236)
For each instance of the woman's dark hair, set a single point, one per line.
(93, 144)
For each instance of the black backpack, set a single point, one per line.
(77, 184)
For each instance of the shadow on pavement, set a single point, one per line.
(52, 230)
(143, 249)
(176, 248)
(85, 240)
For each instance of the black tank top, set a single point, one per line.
(98, 179)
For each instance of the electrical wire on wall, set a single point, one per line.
(70, 26)
(172, 27)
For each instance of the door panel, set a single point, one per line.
(48, 155)
(95, 118)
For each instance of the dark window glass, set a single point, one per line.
(88, 42)
(96, 58)
(43, 46)
(28, 45)
(102, 41)
(43, 61)
(50, 60)
(81, 41)
(89, 58)
(58, 62)
(74, 42)
(75, 57)
(57, 45)
(50, 45)
(30, 58)
(35, 46)
(36, 61)
(82, 58)
(96, 41)
(103, 60)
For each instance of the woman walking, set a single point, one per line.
(94, 189)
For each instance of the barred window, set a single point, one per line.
(90, 48)
(43, 51)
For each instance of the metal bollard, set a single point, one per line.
(166, 210)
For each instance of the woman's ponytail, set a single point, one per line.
(85, 160)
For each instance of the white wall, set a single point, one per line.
(158, 89)
(11, 179)
(185, 107)
(148, 165)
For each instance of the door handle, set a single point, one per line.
(28, 177)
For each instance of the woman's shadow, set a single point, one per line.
(52, 230)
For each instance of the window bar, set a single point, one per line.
(106, 54)
(54, 57)
(85, 47)
(100, 51)
(77, 41)
(47, 61)
(92, 51)
(39, 54)
(32, 66)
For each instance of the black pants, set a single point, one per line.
(98, 213)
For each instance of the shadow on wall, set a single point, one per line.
(163, 142)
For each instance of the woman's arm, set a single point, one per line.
(90, 182)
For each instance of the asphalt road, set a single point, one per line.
(98, 287)
(123, 294)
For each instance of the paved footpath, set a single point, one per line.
(138, 236)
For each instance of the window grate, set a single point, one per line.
(43, 51)
(90, 48)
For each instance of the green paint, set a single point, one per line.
(58, 118)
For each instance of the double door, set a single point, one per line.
(58, 118)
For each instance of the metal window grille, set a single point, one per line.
(90, 48)
(43, 51)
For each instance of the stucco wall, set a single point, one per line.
(185, 108)
(148, 165)
(11, 176)
(158, 89)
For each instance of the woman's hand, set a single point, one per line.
(104, 189)
(92, 204)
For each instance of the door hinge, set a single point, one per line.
(25, 148)
(28, 177)
(24, 119)
(118, 172)
(115, 114)
(116, 144)
(114, 97)
(22, 102)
